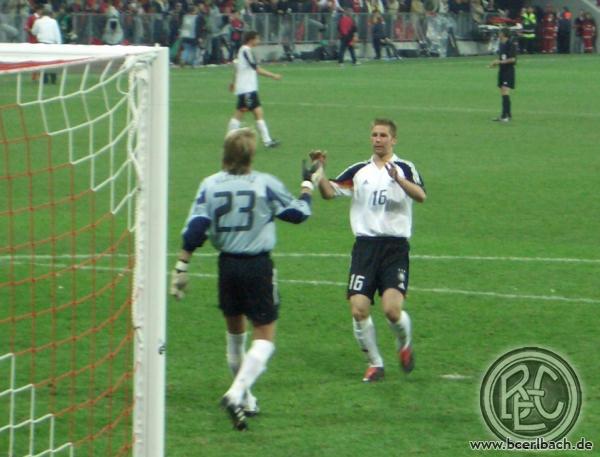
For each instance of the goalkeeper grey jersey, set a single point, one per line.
(237, 212)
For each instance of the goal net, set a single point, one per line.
(83, 171)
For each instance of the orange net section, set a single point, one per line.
(66, 262)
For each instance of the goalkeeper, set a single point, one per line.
(236, 208)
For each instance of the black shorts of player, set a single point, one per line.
(378, 264)
(248, 286)
(506, 77)
(248, 101)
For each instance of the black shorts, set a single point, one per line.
(248, 286)
(248, 101)
(506, 78)
(378, 263)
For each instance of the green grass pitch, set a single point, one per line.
(505, 253)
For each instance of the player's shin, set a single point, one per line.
(402, 329)
(254, 364)
(364, 332)
(236, 347)
(234, 124)
(264, 131)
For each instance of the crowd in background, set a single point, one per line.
(210, 31)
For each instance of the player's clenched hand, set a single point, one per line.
(277, 76)
(317, 155)
(318, 159)
(179, 280)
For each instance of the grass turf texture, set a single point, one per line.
(526, 189)
(503, 200)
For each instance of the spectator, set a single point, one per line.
(579, 32)
(564, 32)
(189, 37)
(8, 32)
(393, 6)
(214, 23)
(347, 32)
(65, 23)
(33, 17)
(113, 31)
(419, 22)
(380, 38)
(46, 31)
(175, 20)
(236, 25)
(375, 6)
(549, 29)
(589, 34)
(529, 22)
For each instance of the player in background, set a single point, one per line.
(236, 208)
(382, 190)
(47, 31)
(31, 38)
(347, 33)
(245, 87)
(507, 53)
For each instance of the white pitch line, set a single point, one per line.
(436, 290)
(425, 109)
(434, 257)
(345, 256)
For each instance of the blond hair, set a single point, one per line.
(238, 151)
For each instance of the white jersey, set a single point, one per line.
(380, 207)
(246, 78)
(46, 30)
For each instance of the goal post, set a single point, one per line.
(83, 222)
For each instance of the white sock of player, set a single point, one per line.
(234, 124)
(254, 364)
(364, 332)
(402, 329)
(264, 131)
(236, 347)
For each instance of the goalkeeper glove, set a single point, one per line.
(314, 173)
(308, 171)
(179, 280)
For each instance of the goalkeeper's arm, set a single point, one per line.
(193, 237)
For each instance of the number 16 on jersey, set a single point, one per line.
(356, 282)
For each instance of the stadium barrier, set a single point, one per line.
(288, 29)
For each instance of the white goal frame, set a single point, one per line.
(149, 294)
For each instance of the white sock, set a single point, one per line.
(236, 347)
(254, 364)
(364, 332)
(402, 329)
(234, 124)
(264, 131)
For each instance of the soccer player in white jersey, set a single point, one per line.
(245, 86)
(382, 190)
(235, 208)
